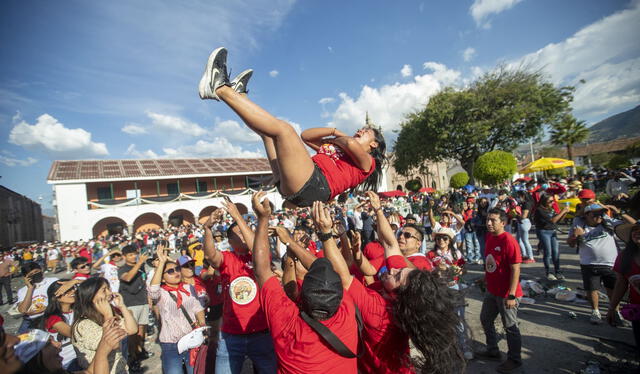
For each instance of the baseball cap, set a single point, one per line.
(593, 208)
(321, 290)
(586, 194)
(183, 260)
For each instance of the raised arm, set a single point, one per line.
(358, 257)
(97, 264)
(246, 231)
(289, 282)
(210, 251)
(128, 276)
(313, 136)
(261, 243)
(304, 256)
(387, 238)
(355, 151)
(324, 225)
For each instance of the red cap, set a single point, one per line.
(586, 194)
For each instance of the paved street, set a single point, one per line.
(552, 341)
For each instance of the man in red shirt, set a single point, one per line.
(323, 302)
(244, 331)
(502, 278)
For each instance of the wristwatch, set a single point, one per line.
(511, 297)
(324, 236)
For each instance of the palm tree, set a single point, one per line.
(569, 131)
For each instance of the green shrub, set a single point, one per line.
(495, 167)
(459, 180)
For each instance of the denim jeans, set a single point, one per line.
(482, 235)
(172, 361)
(523, 238)
(473, 246)
(492, 306)
(234, 348)
(461, 330)
(549, 241)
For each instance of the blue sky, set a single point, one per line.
(118, 79)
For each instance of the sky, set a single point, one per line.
(119, 79)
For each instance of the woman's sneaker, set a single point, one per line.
(215, 75)
(559, 276)
(239, 83)
(596, 317)
(551, 277)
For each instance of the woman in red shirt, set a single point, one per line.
(342, 162)
(391, 320)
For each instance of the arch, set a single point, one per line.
(242, 208)
(147, 221)
(205, 213)
(109, 226)
(181, 217)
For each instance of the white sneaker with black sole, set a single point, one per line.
(239, 83)
(215, 75)
(596, 317)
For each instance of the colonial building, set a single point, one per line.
(20, 219)
(436, 175)
(96, 197)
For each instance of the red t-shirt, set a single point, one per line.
(633, 277)
(420, 261)
(386, 345)
(82, 277)
(373, 250)
(501, 252)
(84, 252)
(341, 173)
(241, 313)
(214, 289)
(298, 347)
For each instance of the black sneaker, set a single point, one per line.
(488, 355)
(135, 367)
(215, 75)
(144, 355)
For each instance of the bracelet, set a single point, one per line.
(324, 236)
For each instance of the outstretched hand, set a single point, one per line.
(232, 209)
(213, 218)
(322, 218)
(112, 334)
(374, 199)
(262, 209)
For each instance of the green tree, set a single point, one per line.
(459, 180)
(568, 131)
(413, 185)
(495, 167)
(500, 110)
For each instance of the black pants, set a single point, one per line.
(5, 282)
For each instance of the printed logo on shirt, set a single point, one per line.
(38, 304)
(490, 264)
(243, 290)
(497, 249)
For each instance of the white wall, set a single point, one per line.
(77, 221)
(71, 200)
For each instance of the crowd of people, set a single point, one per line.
(339, 287)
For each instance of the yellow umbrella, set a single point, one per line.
(546, 163)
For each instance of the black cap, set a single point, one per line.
(321, 290)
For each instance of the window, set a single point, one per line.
(172, 189)
(202, 186)
(104, 193)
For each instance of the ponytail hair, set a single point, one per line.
(378, 153)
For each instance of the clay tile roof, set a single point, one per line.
(121, 169)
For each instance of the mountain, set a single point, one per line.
(621, 125)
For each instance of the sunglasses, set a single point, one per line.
(407, 235)
(172, 270)
(442, 237)
(83, 266)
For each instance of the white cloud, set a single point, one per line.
(326, 100)
(388, 105)
(605, 54)
(468, 54)
(273, 73)
(176, 124)
(330, 49)
(132, 151)
(234, 131)
(219, 147)
(50, 136)
(406, 71)
(133, 129)
(481, 9)
(11, 162)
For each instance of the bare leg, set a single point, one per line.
(270, 147)
(593, 297)
(294, 164)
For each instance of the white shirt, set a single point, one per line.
(39, 298)
(52, 254)
(110, 273)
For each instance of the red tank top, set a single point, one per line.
(340, 171)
